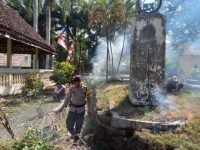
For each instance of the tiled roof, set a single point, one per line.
(13, 25)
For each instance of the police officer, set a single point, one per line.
(173, 84)
(76, 99)
(59, 92)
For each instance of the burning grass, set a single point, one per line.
(188, 139)
(185, 105)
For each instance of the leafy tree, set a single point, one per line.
(130, 11)
(71, 18)
(182, 23)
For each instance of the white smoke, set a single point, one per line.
(99, 61)
(163, 101)
(172, 58)
(182, 29)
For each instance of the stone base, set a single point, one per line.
(10, 90)
(120, 122)
(122, 137)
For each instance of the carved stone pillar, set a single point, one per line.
(147, 62)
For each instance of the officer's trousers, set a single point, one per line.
(74, 122)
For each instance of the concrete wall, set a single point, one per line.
(147, 62)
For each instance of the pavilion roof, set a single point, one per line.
(13, 26)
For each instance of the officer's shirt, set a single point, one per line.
(77, 96)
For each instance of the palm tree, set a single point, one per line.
(48, 9)
(112, 16)
(108, 15)
(35, 15)
(48, 19)
(48, 26)
(130, 11)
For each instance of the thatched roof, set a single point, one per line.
(13, 26)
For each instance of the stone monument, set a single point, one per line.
(147, 62)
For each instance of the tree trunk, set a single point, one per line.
(111, 53)
(48, 21)
(112, 63)
(121, 52)
(48, 28)
(35, 24)
(35, 15)
(107, 58)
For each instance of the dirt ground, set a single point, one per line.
(23, 113)
(37, 112)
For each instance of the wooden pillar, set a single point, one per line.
(9, 53)
(53, 62)
(9, 59)
(47, 62)
(35, 59)
(50, 61)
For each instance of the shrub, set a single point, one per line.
(33, 140)
(32, 84)
(62, 72)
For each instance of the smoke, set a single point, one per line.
(163, 101)
(182, 29)
(182, 26)
(99, 61)
(172, 58)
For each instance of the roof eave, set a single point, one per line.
(7, 35)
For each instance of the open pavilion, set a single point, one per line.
(18, 38)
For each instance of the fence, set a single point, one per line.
(15, 77)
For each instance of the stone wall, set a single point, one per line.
(147, 62)
(110, 138)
